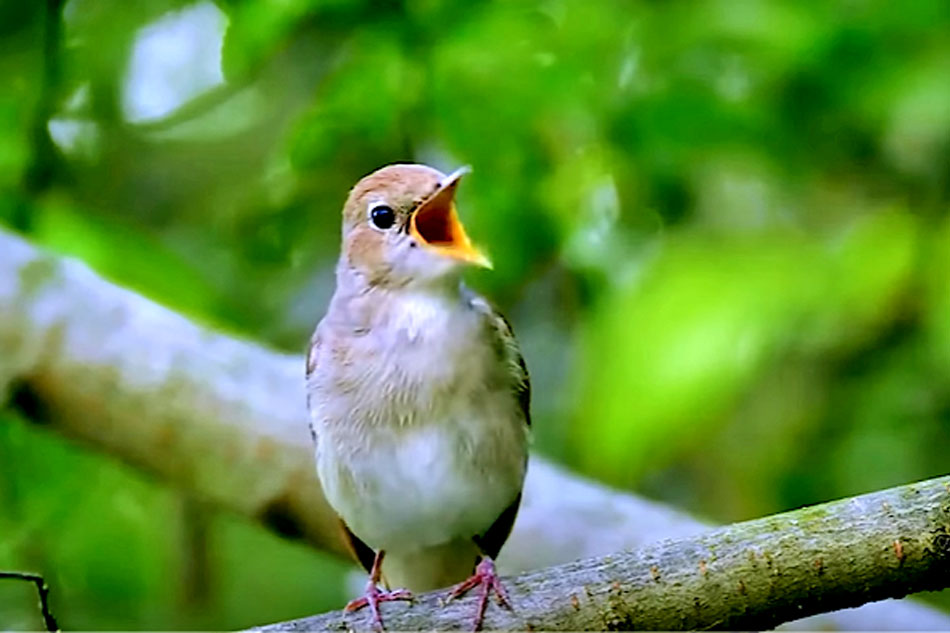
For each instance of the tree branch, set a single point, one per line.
(225, 419)
(748, 576)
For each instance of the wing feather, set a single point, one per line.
(313, 351)
(490, 542)
(521, 385)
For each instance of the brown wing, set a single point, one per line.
(489, 542)
(508, 344)
(360, 550)
(523, 385)
(312, 352)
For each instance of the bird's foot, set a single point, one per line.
(487, 580)
(373, 596)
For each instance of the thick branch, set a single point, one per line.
(747, 576)
(225, 419)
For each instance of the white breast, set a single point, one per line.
(419, 313)
(427, 443)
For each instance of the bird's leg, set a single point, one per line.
(487, 580)
(374, 595)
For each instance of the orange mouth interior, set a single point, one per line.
(436, 225)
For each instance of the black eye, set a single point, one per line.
(383, 216)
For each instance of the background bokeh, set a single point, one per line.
(719, 227)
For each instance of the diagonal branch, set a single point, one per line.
(748, 576)
(225, 420)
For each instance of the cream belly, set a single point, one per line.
(422, 487)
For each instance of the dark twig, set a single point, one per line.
(42, 589)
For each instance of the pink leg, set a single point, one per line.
(374, 595)
(487, 580)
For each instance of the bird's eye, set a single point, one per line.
(382, 216)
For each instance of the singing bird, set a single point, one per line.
(418, 396)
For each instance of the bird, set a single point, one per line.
(418, 395)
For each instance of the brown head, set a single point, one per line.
(400, 227)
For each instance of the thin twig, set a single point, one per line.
(42, 589)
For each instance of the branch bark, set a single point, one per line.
(748, 576)
(225, 419)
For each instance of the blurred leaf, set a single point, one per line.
(14, 147)
(361, 104)
(685, 196)
(937, 269)
(125, 255)
(665, 356)
(257, 28)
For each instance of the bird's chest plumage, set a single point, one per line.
(419, 437)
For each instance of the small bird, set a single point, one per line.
(418, 396)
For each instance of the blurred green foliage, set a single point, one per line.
(719, 227)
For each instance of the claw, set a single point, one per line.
(488, 581)
(374, 595)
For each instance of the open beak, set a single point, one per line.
(435, 224)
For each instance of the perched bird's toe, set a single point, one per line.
(373, 596)
(488, 582)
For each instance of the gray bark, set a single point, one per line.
(225, 419)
